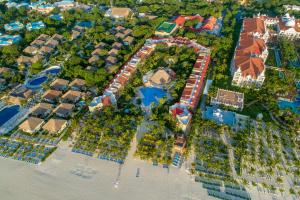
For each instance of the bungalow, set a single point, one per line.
(113, 52)
(52, 43)
(60, 84)
(55, 126)
(127, 32)
(19, 94)
(117, 45)
(31, 125)
(42, 110)
(120, 28)
(72, 96)
(97, 52)
(31, 50)
(24, 60)
(57, 37)
(64, 110)
(51, 96)
(5, 72)
(46, 50)
(37, 43)
(78, 84)
(120, 36)
(100, 45)
(43, 37)
(37, 58)
(110, 60)
(93, 59)
(229, 98)
(128, 40)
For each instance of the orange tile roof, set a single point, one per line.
(180, 20)
(252, 25)
(251, 66)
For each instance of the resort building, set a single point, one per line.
(128, 40)
(51, 96)
(42, 110)
(19, 94)
(166, 29)
(105, 100)
(59, 84)
(72, 96)
(247, 66)
(31, 125)
(44, 9)
(14, 26)
(35, 25)
(289, 27)
(159, 78)
(55, 126)
(229, 118)
(182, 115)
(65, 4)
(31, 50)
(229, 98)
(64, 110)
(116, 12)
(78, 84)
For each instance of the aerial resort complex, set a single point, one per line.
(149, 100)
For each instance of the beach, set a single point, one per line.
(69, 176)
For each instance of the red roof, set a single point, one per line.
(180, 20)
(177, 111)
(254, 25)
(106, 101)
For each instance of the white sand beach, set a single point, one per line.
(69, 176)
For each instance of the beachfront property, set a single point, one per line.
(229, 98)
(31, 125)
(229, 118)
(160, 78)
(64, 110)
(118, 12)
(55, 126)
(183, 116)
(247, 66)
(13, 26)
(111, 92)
(6, 40)
(41, 110)
(35, 25)
(178, 150)
(59, 84)
(166, 29)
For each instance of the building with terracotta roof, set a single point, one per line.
(64, 110)
(247, 67)
(31, 125)
(42, 110)
(55, 126)
(51, 96)
(183, 116)
(59, 84)
(72, 96)
(159, 78)
(78, 84)
(180, 20)
(229, 98)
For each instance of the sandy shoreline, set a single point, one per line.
(70, 176)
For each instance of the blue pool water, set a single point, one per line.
(36, 82)
(85, 24)
(152, 95)
(7, 113)
(53, 71)
(294, 106)
(57, 17)
(223, 116)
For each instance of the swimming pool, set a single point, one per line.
(8, 112)
(85, 24)
(53, 70)
(151, 95)
(294, 106)
(36, 82)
